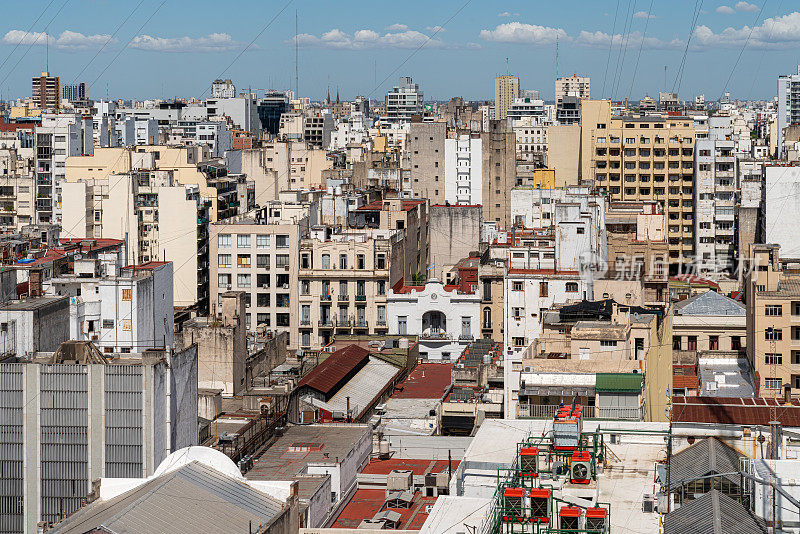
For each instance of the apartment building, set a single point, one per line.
(223, 88)
(577, 86)
(404, 100)
(772, 294)
(17, 190)
(530, 137)
(75, 92)
(528, 293)
(344, 282)
(463, 168)
(411, 216)
(782, 205)
(258, 253)
(317, 128)
(74, 416)
(788, 107)
(644, 158)
(57, 138)
(506, 91)
(160, 219)
(498, 173)
(426, 158)
(637, 255)
(716, 196)
(46, 93)
(214, 134)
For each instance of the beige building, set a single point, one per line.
(772, 293)
(642, 158)
(158, 218)
(708, 325)
(498, 172)
(426, 160)
(564, 153)
(506, 90)
(258, 253)
(491, 273)
(577, 86)
(344, 280)
(16, 190)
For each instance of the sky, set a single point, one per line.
(164, 48)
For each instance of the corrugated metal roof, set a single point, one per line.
(737, 411)
(709, 303)
(713, 513)
(367, 383)
(329, 374)
(621, 382)
(705, 457)
(193, 498)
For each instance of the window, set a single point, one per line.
(608, 343)
(262, 261)
(542, 289)
(126, 294)
(281, 260)
(516, 313)
(262, 241)
(108, 323)
(773, 383)
(487, 317)
(402, 326)
(305, 287)
(380, 261)
(281, 319)
(224, 260)
(580, 230)
(361, 263)
(517, 286)
(773, 358)
(382, 315)
(466, 327)
(691, 343)
(262, 300)
(381, 287)
(243, 260)
(243, 280)
(282, 241)
(343, 261)
(518, 341)
(305, 314)
(305, 260)
(775, 310)
(224, 281)
(571, 287)
(773, 334)
(224, 241)
(326, 261)
(676, 342)
(243, 240)
(713, 342)
(736, 343)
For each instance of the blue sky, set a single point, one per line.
(356, 45)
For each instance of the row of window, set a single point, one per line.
(307, 261)
(245, 241)
(569, 287)
(713, 343)
(245, 261)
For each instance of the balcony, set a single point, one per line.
(548, 411)
(361, 298)
(343, 298)
(381, 324)
(305, 321)
(435, 335)
(360, 323)
(344, 322)
(325, 323)
(326, 298)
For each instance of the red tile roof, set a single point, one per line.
(418, 467)
(146, 266)
(685, 381)
(735, 410)
(365, 503)
(326, 376)
(377, 205)
(426, 381)
(693, 279)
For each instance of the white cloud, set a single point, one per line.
(507, 14)
(774, 33)
(600, 39)
(643, 15)
(397, 28)
(725, 10)
(437, 29)
(369, 39)
(517, 32)
(215, 42)
(68, 40)
(744, 6)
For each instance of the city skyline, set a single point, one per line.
(159, 49)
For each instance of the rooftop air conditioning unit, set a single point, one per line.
(580, 469)
(648, 505)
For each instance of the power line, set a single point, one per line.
(27, 32)
(676, 86)
(746, 42)
(641, 45)
(610, 47)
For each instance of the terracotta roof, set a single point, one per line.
(693, 279)
(735, 410)
(326, 376)
(685, 381)
(426, 381)
(146, 266)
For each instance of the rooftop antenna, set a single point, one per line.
(296, 59)
(556, 57)
(506, 66)
(47, 53)
(665, 77)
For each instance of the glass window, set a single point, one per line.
(282, 241)
(281, 260)
(382, 315)
(243, 280)
(361, 262)
(342, 261)
(243, 240)
(224, 241)
(224, 260)
(224, 281)
(380, 261)
(402, 325)
(381, 287)
(326, 261)
(243, 260)
(262, 241)
(262, 261)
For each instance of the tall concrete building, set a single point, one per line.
(403, 101)
(644, 158)
(788, 105)
(463, 169)
(499, 172)
(506, 91)
(74, 93)
(76, 415)
(578, 86)
(46, 92)
(426, 142)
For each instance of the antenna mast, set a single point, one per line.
(296, 59)
(556, 57)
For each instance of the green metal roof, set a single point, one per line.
(621, 382)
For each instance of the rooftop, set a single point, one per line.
(336, 368)
(735, 410)
(426, 381)
(365, 503)
(709, 303)
(31, 304)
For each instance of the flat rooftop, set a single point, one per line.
(32, 303)
(417, 466)
(365, 503)
(426, 381)
(301, 445)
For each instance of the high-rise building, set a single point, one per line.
(223, 89)
(74, 92)
(506, 90)
(403, 101)
(45, 91)
(578, 86)
(788, 104)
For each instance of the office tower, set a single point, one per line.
(46, 91)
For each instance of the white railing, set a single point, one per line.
(548, 411)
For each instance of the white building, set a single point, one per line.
(214, 134)
(577, 86)
(58, 137)
(243, 111)
(128, 309)
(782, 183)
(445, 319)
(223, 89)
(463, 170)
(528, 294)
(405, 99)
(788, 105)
